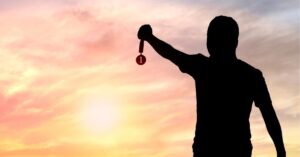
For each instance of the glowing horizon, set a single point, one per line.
(67, 63)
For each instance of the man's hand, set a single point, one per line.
(145, 32)
(281, 153)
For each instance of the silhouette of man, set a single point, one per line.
(225, 88)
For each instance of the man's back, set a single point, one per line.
(225, 93)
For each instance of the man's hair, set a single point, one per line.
(223, 26)
(222, 36)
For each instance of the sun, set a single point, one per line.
(100, 117)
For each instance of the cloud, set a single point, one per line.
(54, 59)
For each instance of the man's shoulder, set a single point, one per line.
(199, 56)
(197, 59)
(190, 63)
(249, 68)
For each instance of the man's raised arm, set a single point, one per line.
(161, 47)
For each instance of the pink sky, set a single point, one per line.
(62, 59)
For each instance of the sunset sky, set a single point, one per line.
(70, 86)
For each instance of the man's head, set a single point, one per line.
(222, 37)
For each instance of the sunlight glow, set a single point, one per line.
(100, 117)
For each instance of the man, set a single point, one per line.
(226, 88)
